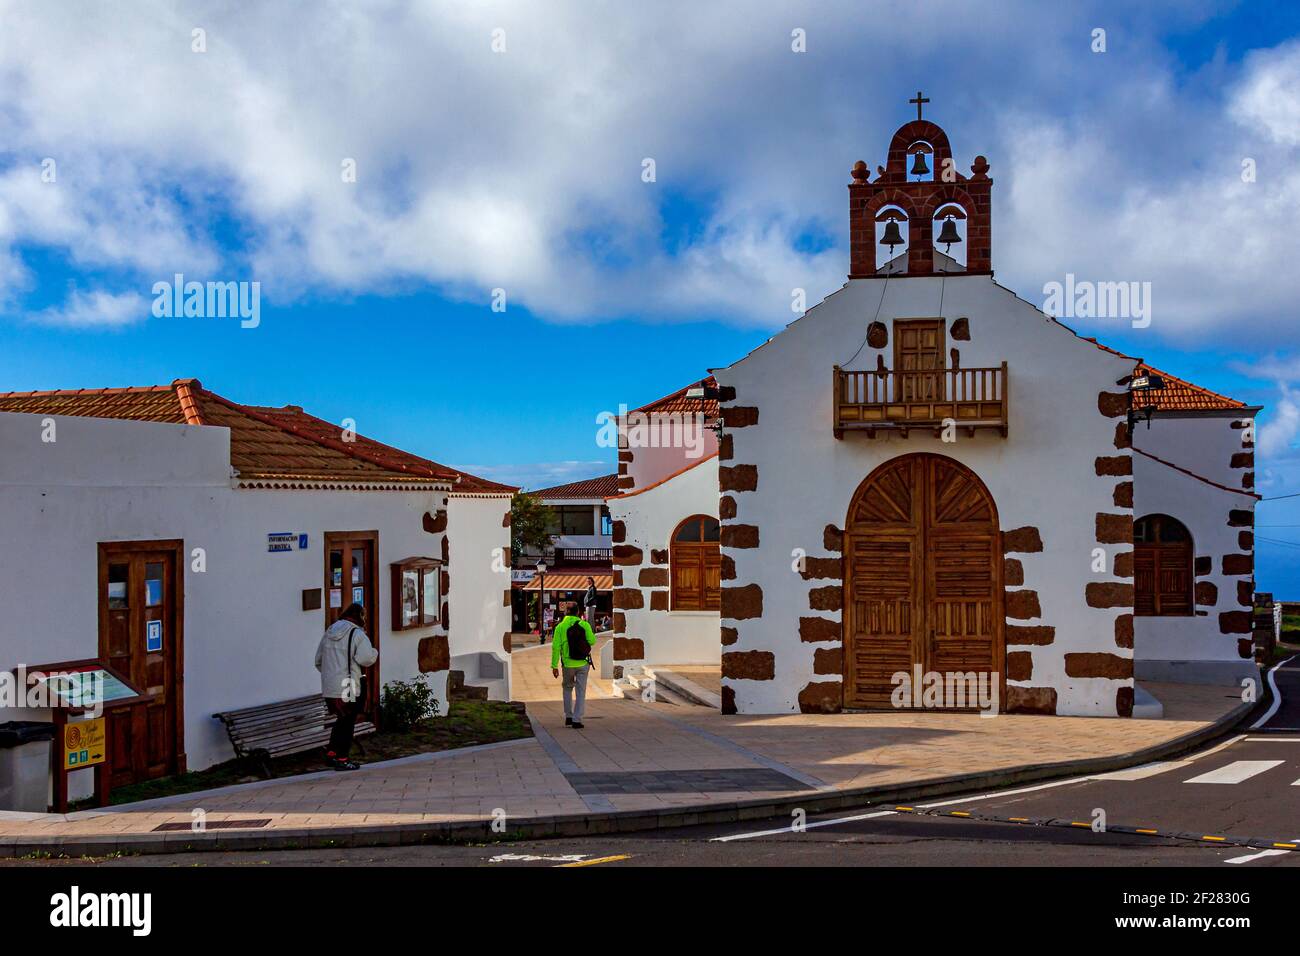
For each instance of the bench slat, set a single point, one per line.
(284, 727)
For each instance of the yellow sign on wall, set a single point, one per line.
(83, 743)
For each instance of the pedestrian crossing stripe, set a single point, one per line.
(1236, 772)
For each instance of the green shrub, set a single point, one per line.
(405, 703)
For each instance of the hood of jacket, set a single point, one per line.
(339, 630)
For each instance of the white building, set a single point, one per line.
(200, 547)
(927, 475)
(666, 530)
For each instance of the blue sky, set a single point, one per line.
(522, 170)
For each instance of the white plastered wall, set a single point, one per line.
(479, 572)
(1195, 649)
(1042, 475)
(247, 640)
(650, 517)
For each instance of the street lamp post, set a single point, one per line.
(541, 599)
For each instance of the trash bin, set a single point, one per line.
(25, 765)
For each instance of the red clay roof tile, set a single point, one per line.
(268, 446)
(600, 487)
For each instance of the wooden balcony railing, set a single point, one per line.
(884, 398)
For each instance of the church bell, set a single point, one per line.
(919, 165)
(892, 236)
(948, 234)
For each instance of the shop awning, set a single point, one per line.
(571, 582)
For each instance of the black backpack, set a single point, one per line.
(579, 647)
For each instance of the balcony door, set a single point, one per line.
(919, 360)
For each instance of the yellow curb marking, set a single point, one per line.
(599, 859)
(1215, 838)
(1287, 846)
(958, 813)
(1148, 832)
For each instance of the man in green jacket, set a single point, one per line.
(570, 653)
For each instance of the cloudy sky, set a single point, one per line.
(501, 146)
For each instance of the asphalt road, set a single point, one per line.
(1193, 811)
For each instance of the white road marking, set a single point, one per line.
(530, 858)
(1261, 854)
(1236, 772)
(1141, 773)
(1277, 696)
(806, 826)
(1273, 740)
(1134, 773)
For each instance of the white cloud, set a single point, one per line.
(1277, 435)
(522, 170)
(95, 309)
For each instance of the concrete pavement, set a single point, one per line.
(635, 766)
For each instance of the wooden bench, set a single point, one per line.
(261, 733)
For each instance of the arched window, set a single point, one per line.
(696, 563)
(1162, 567)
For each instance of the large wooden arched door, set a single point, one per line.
(922, 578)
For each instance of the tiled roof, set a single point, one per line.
(678, 402)
(570, 582)
(269, 447)
(600, 487)
(1178, 395)
(1181, 395)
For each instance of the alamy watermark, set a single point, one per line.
(931, 690)
(653, 430)
(41, 690)
(1084, 299)
(208, 300)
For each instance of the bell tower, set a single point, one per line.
(919, 189)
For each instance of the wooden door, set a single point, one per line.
(695, 561)
(352, 577)
(140, 636)
(922, 578)
(963, 573)
(919, 360)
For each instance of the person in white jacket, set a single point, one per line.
(344, 650)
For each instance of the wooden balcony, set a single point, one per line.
(887, 399)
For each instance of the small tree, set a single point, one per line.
(529, 520)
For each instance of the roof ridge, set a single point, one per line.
(677, 394)
(187, 390)
(433, 465)
(346, 448)
(61, 392)
(1236, 403)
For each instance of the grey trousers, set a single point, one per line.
(575, 678)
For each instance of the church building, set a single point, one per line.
(927, 475)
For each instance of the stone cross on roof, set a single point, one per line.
(919, 101)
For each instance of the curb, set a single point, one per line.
(684, 687)
(619, 821)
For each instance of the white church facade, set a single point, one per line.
(927, 475)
